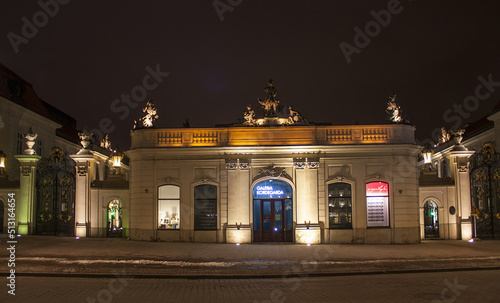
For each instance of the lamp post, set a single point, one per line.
(116, 158)
(3, 159)
(427, 153)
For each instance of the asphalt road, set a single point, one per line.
(454, 286)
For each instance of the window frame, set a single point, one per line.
(159, 223)
(338, 226)
(19, 143)
(388, 203)
(215, 203)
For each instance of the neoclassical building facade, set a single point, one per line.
(277, 178)
(302, 184)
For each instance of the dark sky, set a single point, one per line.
(89, 53)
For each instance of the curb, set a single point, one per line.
(252, 276)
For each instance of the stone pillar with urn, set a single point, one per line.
(459, 161)
(84, 160)
(25, 210)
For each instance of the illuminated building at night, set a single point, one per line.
(274, 178)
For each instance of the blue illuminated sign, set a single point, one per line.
(270, 189)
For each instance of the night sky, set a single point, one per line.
(430, 53)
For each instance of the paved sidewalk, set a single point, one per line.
(44, 255)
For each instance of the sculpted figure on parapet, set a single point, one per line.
(249, 115)
(270, 104)
(444, 137)
(394, 110)
(149, 117)
(295, 116)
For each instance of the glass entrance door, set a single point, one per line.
(270, 220)
(272, 211)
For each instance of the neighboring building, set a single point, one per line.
(459, 193)
(45, 179)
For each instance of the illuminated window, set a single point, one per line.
(205, 207)
(340, 205)
(20, 141)
(169, 206)
(377, 204)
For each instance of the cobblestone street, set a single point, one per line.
(467, 286)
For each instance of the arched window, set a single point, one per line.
(340, 205)
(169, 206)
(205, 207)
(377, 204)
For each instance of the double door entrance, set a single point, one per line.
(273, 220)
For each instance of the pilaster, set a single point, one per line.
(238, 200)
(307, 227)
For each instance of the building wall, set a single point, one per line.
(444, 197)
(357, 164)
(17, 119)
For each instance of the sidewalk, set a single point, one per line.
(45, 255)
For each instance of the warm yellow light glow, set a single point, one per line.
(308, 236)
(3, 158)
(238, 236)
(116, 158)
(428, 158)
(427, 153)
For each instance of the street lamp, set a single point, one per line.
(427, 153)
(116, 158)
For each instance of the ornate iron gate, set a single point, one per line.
(56, 195)
(485, 191)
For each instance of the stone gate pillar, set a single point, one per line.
(84, 160)
(25, 203)
(459, 161)
(25, 206)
